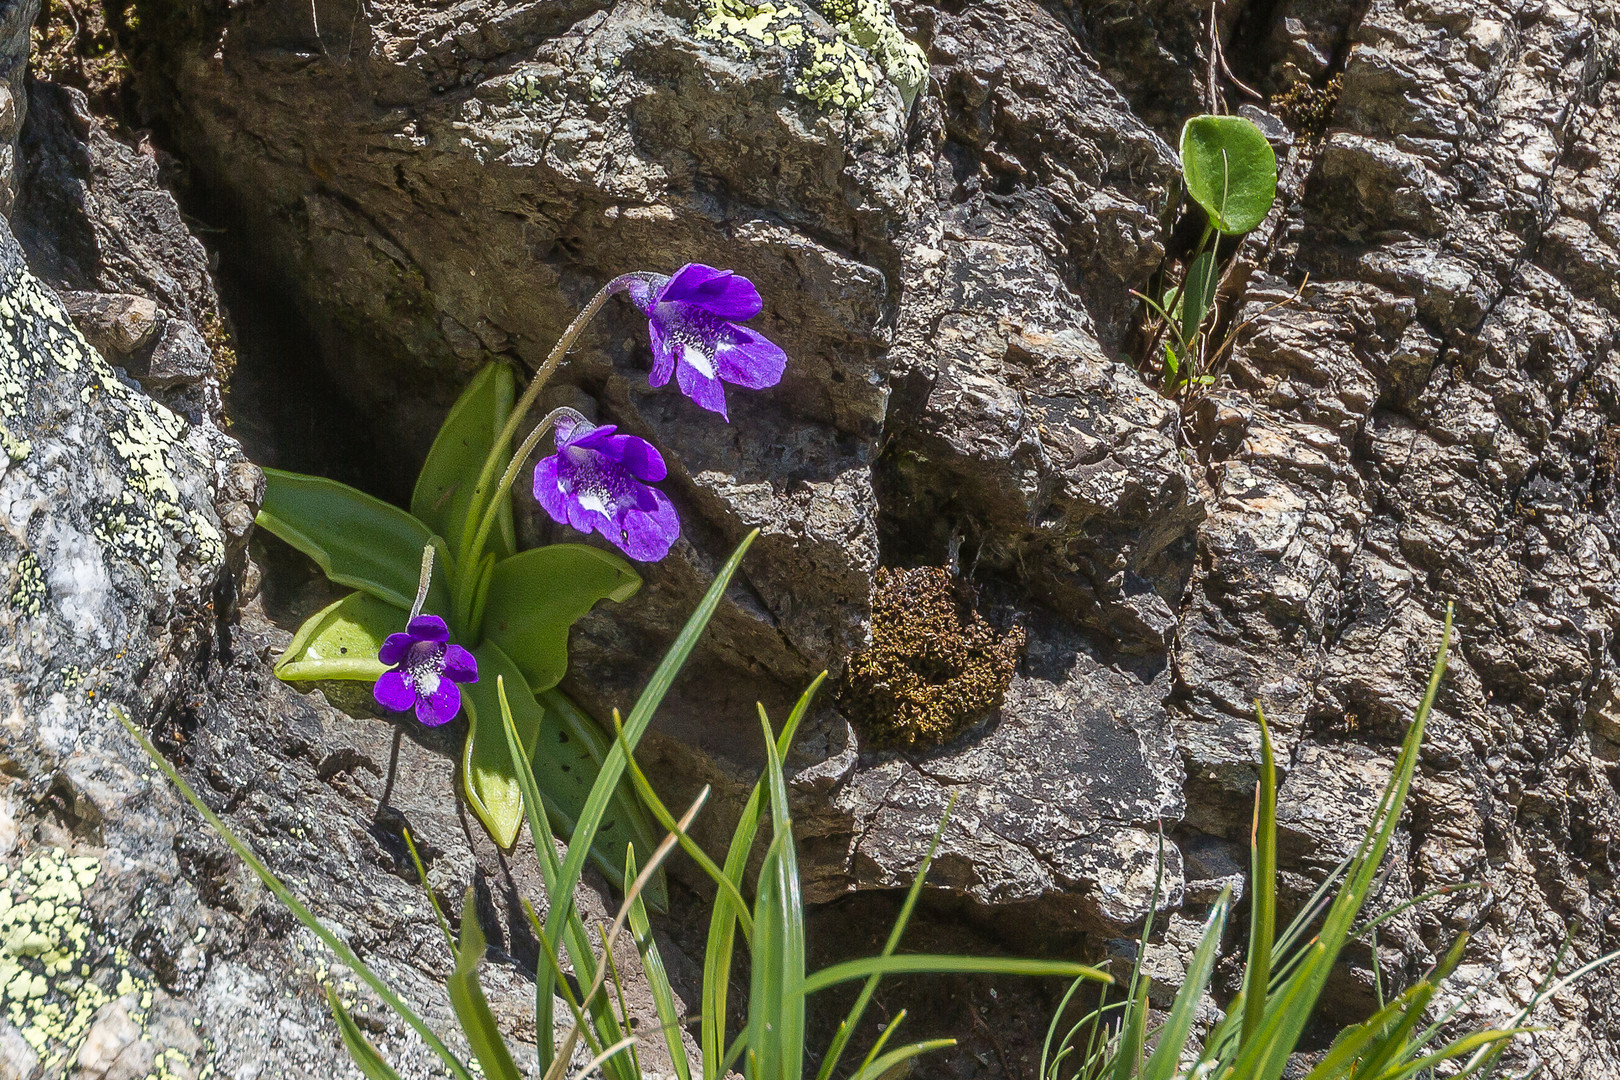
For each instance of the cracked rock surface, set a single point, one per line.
(949, 264)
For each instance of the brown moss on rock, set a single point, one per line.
(935, 667)
(1309, 109)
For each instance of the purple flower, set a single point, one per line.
(597, 482)
(426, 669)
(693, 319)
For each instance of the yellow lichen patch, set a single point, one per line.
(14, 448)
(842, 70)
(935, 666)
(29, 592)
(49, 984)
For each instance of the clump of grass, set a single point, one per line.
(1284, 975)
(771, 1044)
(935, 667)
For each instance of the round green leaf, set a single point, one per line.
(1230, 171)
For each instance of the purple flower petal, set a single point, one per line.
(393, 692)
(702, 387)
(428, 628)
(749, 359)
(646, 536)
(441, 706)
(597, 482)
(663, 351)
(719, 292)
(591, 438)
(548, 490)
(394, 648)
(459, 665)
(639, 456)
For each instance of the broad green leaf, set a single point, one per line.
(1197, 295)
(443, 495)
(468, 1001)
(537, 595)
(296, 906)
(492, 785)
(341, 641)
(1230, 171)
(356, 540)
(365, 1056)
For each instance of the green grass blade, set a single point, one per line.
(1305, 984)
(662, 815)
(723, 922)
(933, 964)
(1395, 1046)
(1450, 1052)
(1166, 1056)
(883, 1039)
(302, 913)
(669, 1015)
(1133, 1032)
(848, 1026)
(468, 1001)
(569, 931)
(1348, 1048)
(433, 901)
(893, 1058)
(1049, 1062)
(776, 1007)
(361, 1052)
(1263, 871)
(590, 818)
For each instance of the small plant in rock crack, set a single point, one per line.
(1284, 975)
(1228, 169)
(445, 607)
(771, 1044)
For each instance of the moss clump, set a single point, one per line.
(1309, 109)
(936, 666)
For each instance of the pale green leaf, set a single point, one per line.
(537, 595)
(356, 540)
(443, 495)
(341, 641)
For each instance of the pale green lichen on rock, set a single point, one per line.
(52, 980)
(29, 593)
(14, 448)
(146, 436)
(833, 72)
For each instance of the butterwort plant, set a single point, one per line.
(445, 608)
